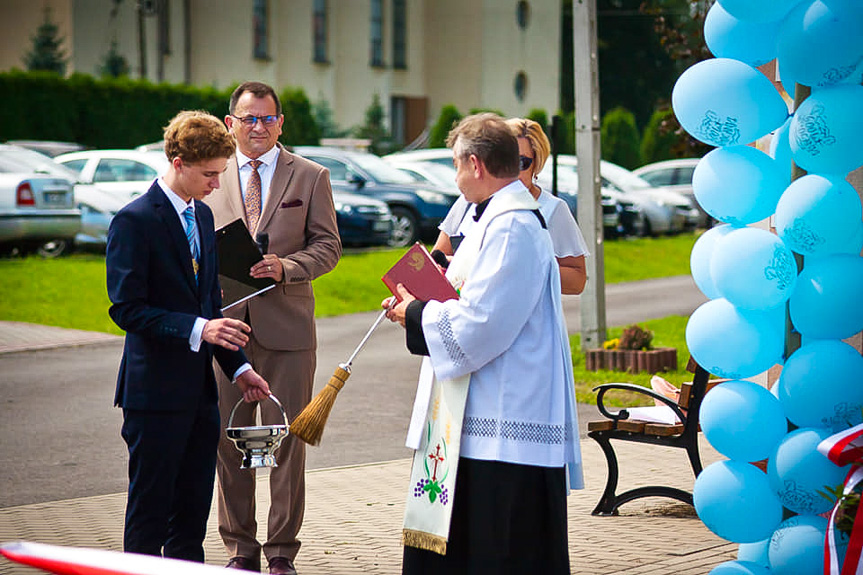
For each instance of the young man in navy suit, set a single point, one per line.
(164, 291)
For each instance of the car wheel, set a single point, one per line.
(646, 228)
(405, 230)
(54, 248)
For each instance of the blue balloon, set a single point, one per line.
(699, 259)
(798, 471)
(818, 48)
(850, 9)
(797, 546)
(742, 420)
(754, 552)
(818, 215)
(820, 385)
(734, 500)
(753, 269)
(826, 303)
(749, 42)
(759, 10)
(734, 343)
(827, 131)
(738, 185)
(739, 568)
(780, 151)
(723, 102)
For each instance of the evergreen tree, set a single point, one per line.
(300, 128)
(620, 141)
(114, 64)
(659, 137)
(46, 53)
(373, 128)
(539, 116)
(448, 118)
(323, 114)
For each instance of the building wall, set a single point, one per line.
(462, 52)
(19, 20)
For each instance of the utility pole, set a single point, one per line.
(586, 74)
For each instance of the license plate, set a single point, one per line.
(54, 198)
(380, 225)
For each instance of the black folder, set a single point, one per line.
(238, 252)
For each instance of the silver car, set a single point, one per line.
(675, 175)
(125, 173)
(37, 208)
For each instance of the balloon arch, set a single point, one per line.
(753, 277)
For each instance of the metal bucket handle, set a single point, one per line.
(271, 396)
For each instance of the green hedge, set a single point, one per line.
(119, 112)
(621, 144)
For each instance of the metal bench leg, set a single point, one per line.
(608, 502)
(694, 457)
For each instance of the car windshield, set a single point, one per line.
(381, 171)
(22, 160)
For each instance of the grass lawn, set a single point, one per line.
(71, 292)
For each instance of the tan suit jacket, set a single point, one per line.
(299, 216)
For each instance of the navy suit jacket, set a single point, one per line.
(156, 300)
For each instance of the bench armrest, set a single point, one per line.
(623, 414)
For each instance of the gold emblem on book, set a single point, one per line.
(416, 262)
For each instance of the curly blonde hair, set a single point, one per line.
(532, 131)
(196, 136)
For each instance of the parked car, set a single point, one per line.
(612, 211)
(48, 147)
(125, 173)
(37, 207)
(362, 221)
(416, 208)
(431, 173)
(674, 175)
(98, 208)
(663, 210)
(619, 216)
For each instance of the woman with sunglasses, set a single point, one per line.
(570, 248)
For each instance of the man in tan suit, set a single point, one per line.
(290, 199)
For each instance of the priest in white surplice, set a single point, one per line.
(494, 424)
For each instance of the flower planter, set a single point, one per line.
(651, 360)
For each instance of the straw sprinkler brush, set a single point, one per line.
(309, 424)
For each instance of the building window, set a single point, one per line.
(522, 14)
(377, 34)
(400, 31)
(520, 86)
(261, 23)
(319, 28)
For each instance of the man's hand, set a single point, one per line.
(396, 313)
(253, 386)
(269, 267)
(226, 332)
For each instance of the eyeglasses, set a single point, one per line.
(524, 162)
(250, 121)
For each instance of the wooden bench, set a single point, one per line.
(619, 427)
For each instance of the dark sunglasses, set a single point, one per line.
(524, 162)
(250, 121)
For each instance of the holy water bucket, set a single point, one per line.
(258, 443)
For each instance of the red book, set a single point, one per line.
(418, 272)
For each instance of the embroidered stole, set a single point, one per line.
(436, 423)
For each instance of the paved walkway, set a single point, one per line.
(353, 514)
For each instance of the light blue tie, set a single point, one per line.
(192, 236)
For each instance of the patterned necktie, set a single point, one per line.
(253, 196)
(192, 237)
